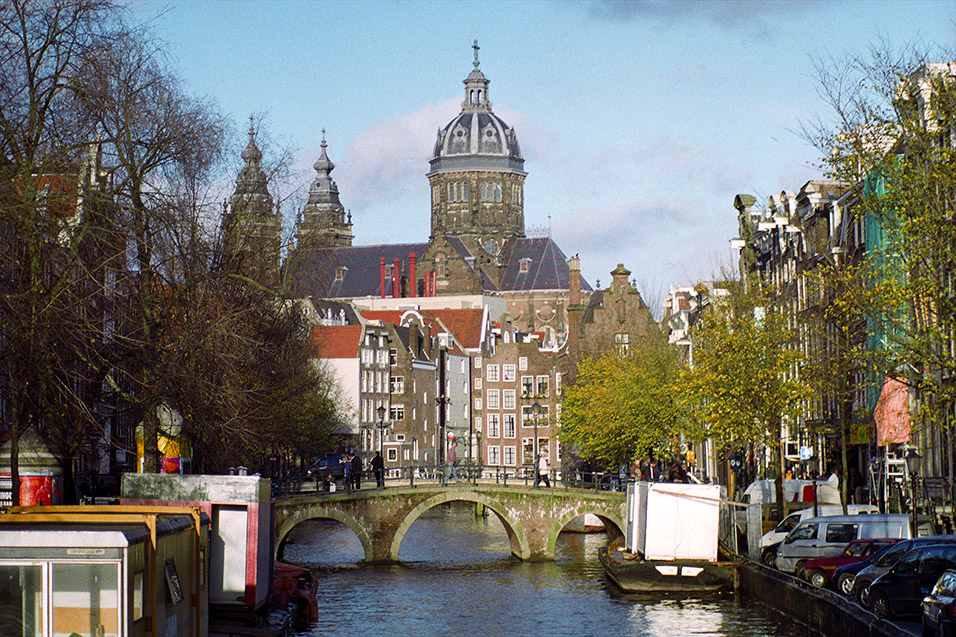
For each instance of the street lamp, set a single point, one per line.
(381, 430)
(536, 411)
(912, 459)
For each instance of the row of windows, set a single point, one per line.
(507, 455)
(527, 420)
(458, 191)
(374, 381)
(371, 357)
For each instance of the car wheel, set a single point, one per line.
(817, 578)
(881, 605)
(769, 558)
(927, 631)
(845, 584)
(798, 571)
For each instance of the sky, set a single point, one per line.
(639, 121)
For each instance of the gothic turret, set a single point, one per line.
(252, 226)
(324, 223)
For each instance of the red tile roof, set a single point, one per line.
(464, 324)
(336, 341)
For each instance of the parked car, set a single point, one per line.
(819, 572)
(939, 607)
(827, 536)
(900, 590)
(862, 580)
(324, 466)
(844, 576)
(771, 540)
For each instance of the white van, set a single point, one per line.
(764, 492)
(827, 536)
(779, 532)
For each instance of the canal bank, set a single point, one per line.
(821, 609)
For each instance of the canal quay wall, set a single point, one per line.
(821, 609)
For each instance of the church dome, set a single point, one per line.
(476, 132)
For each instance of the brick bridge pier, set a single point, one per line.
(533, 518)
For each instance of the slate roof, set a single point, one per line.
(315, 275)
(547, 267)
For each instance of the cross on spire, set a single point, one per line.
(476, 47)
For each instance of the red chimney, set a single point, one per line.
(412, 281)
(382, 266)
(396, 287)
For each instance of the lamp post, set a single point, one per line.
(912, 459)
(536, 412)
(381, 430)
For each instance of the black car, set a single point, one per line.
(884, 561)
(900, 590)
(939, 607)
(324, 466)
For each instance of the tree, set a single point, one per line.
(894, 137)
(41, 235)
(742, 387)
(620, 408)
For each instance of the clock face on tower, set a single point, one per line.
(491, 247)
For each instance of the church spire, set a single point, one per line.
(476, 88)
(324, 223)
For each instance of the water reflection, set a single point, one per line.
(458, 575)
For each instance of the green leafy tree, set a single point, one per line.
(742, 387)
(893, 136)
(619, 408)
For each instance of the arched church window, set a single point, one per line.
(451, 192)
(464, 191)
(457, 191)
(498, 192)
(479, 97)
(483, 191)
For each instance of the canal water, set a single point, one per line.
(457, 575)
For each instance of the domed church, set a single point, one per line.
(477, 246)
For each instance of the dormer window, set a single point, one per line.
(340, 273)
(524, 265)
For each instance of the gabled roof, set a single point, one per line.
(546, 267)
(336, 341)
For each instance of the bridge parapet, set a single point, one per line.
(533, 518)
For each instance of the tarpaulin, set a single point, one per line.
(892, 413)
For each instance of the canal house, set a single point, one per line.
(105, 571)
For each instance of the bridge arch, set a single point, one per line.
(516, 533)
(613, 524)
(316, 511)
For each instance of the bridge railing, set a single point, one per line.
(430, 475)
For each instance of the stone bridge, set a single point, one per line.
(533, 518)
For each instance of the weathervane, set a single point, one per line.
(475, 47)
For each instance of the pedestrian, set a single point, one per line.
(378, 468)
(347, 465)
(855, 483)
(834, 477)
(329, 483)
(653, 471)
(543, 470)
(357, 471)
(450, 459)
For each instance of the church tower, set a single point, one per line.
(324, 223)
(477, 177)
(252, 226)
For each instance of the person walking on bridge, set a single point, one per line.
(378, 468)
(542, 473)
(450, 459)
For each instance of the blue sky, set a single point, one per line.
(638, 121)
